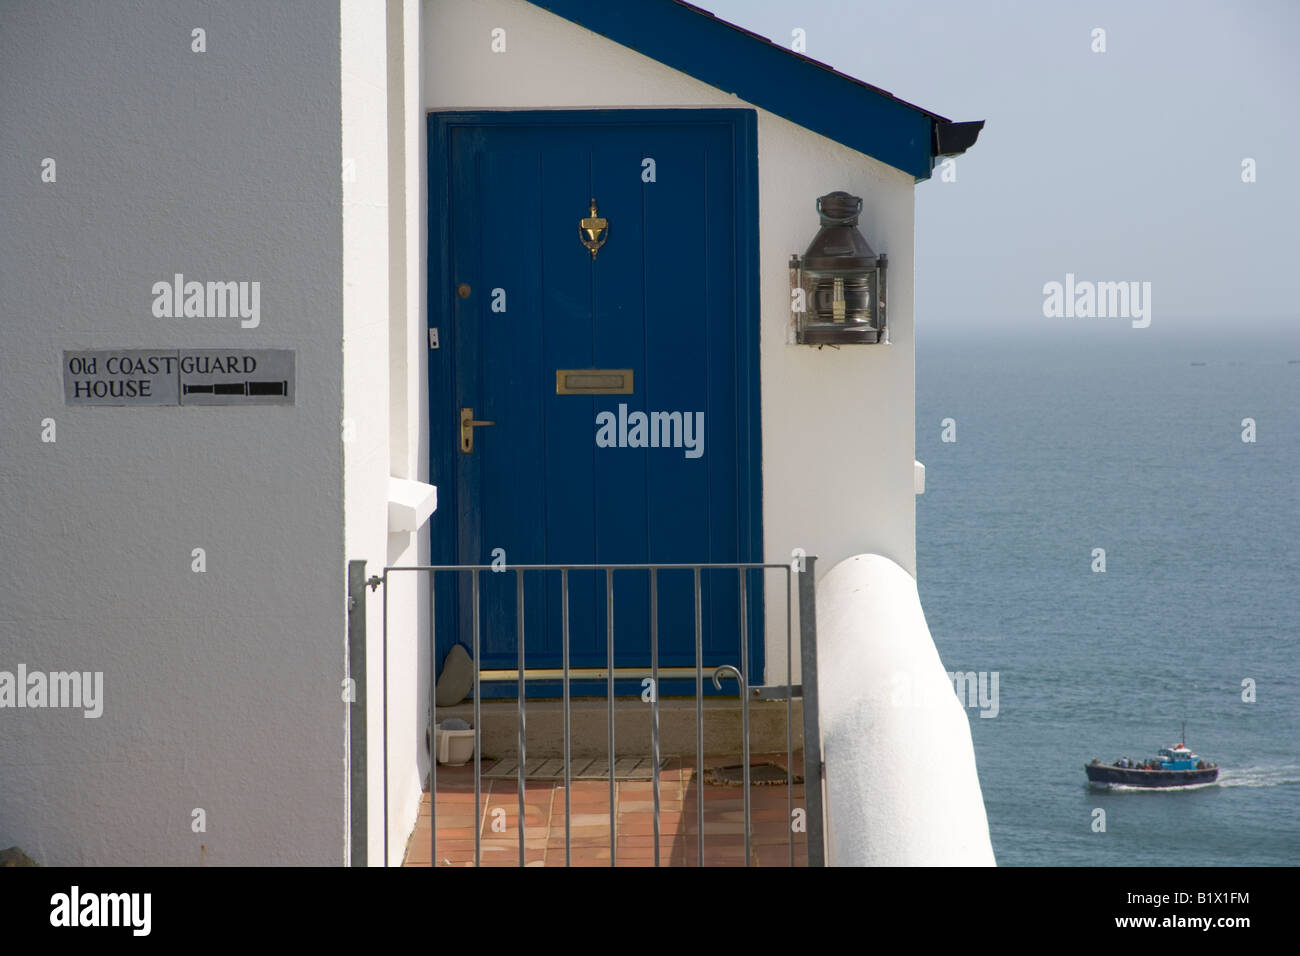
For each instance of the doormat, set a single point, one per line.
(760, 775)
(584, 768)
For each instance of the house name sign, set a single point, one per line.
(179, 377)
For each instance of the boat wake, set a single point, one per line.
(1260, 776)
(1126, 788)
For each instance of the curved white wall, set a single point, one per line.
(901, 787)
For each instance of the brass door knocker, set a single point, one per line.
(593, 230)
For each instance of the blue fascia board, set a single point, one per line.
(758, 71)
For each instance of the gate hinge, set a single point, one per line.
(433, 338)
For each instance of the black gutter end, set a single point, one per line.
(953, 139)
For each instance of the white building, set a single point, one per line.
(174, 181)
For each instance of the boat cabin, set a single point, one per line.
(1177, 758)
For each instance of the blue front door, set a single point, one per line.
(620, 375)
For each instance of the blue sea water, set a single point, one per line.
(1119, 439)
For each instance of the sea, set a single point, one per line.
(1102, 436)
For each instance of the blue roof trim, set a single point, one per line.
(800, 89)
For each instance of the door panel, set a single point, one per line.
(663, 297)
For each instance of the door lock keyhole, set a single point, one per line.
(462, 290)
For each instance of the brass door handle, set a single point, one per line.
(467, 425)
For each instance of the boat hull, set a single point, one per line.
(1132, 777)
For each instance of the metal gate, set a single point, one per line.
(801, 570)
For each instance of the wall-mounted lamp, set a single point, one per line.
(838, 287)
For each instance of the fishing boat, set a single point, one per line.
(1175, 766)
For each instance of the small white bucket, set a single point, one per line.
(455, 747)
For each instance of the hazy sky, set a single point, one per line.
(1122, 165)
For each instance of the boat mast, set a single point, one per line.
(1184, 733)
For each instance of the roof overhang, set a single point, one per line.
(807, 92)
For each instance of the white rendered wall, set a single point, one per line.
(221, 688)
(408, 593)
(901, 787)
(838, 425)
(375, 386)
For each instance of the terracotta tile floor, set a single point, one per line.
(497, 816)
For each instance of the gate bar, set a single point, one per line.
(384, 672)
(744, 704)
(358, 822)
(568, 763)
(812, 738)
(789, 715)
(433, 719)
(609, 645)
(502, 675)
(654, 697)
(699, 725)
(523, 742)
(478, 738)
